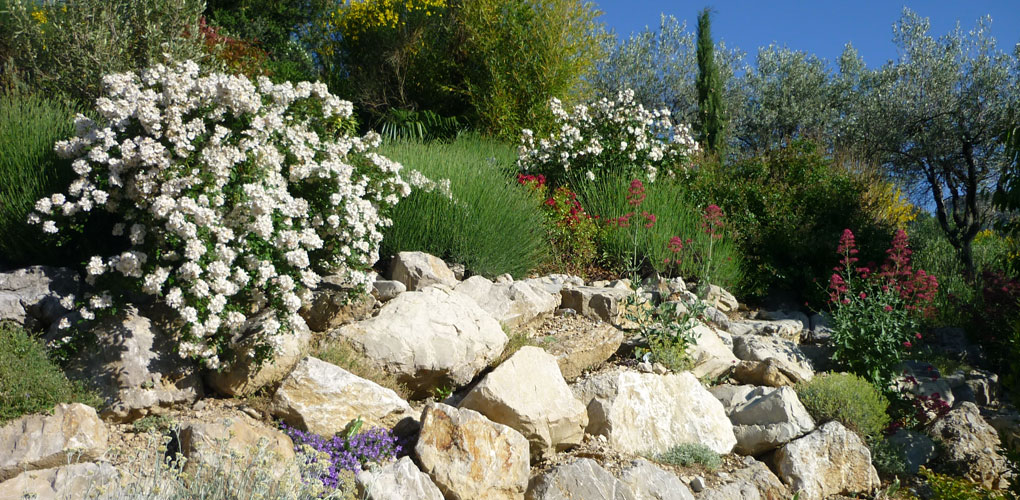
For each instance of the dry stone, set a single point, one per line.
(829, 461)
(786, 329)
(431, 338)
(236, 440)
(470, 457)
(758, 348)
(323, 398)
(767, 419)
(720, 299)
(31, 296)
(771, 372)
(400, 480)
(970, 446)
(384, 290)
(754, 481)
(417, 270)
(528, 393)
(335, 304)
(73, 433)
(514, 304)
(602, 303)
(583, 478)
(134, 366)
(579, 350)
(245, 376)
(66, 482)
(711, 357)
(917, 448)
(649, 482)
(647, 413)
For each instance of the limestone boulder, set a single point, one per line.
(648, 413)
(244, 376)
(334, 303)
(649, 482)
(400, 480)
(65, 482)
(582, 349)
(32, 296)
(554, 283)
(772, 373)
(431, 338)
(134, 367)
(711, 356)
(513, 304)
(583, 478)
(917, 448)
(970, 447)
(384, 290)
(720, 299)
(323, 398)
(73, 433)
(786, 329)
(470, 457)
(602, 303)
(235, 442)
(528, 393)
(753, 481)
(831, 460)
(759, 348)
(767, 419)
(417, 270)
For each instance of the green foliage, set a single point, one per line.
(65, 47)
(711, 113)
(401, 124)
(783, 206)
(686, 454)
(847, 399)
(29, 381)
(945, 487)
(153, 423)
(518, 54)
(668, 330)
(30, 170)
(573, 233)
(888, 458)
(491, 225)
(676, 214)
(341, 353)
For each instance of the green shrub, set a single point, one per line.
(945, 487)
(492, 225)
(888, 458)
(847, 399)
(785, 205)
(689, 454)
(29, 381)
(675, 215)
(65, 47)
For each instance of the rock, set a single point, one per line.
(528, 394)
(504, 278)
(334, 304)
(803, 319)
(649, 482)
(717, 317)
(31, 296)
(134, 367)
(1006, 422)
(754, 481)
(785, 329)
(323, 398)
(453, 339)
(384, 290)
(980, 387)
(459, 270)
(970, 447)
(400, 480)
(711, 357)
(583, 478)
(821, 327)
(771, 372)
(235, 442)
(698, 484)
(757, 348)
(514, 304)
(65, 482)
(721, 299)
(645, 413)
(554, 283)
(831, 460)
(416, 270)
(579, 350)
(917, 448)
(733, 396)
(767, 419)
(468, 456)
(72, 434)
(244, 376)
(922, 379)
(594, 302)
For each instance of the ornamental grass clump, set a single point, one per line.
(876, 311)
(232, 197)
(608, 136)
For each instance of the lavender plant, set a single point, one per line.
(350, 451)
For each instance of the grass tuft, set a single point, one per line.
(688, 454)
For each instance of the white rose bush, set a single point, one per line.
(231, 197)
(618, 136)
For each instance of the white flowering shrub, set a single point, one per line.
(231, 197)
(618, 136)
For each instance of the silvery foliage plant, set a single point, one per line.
(618, 135)
(231, 196)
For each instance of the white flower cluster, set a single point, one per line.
(233, 196)
(608, 136)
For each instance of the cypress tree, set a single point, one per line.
(711, 115)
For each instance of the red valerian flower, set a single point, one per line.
(636, 193)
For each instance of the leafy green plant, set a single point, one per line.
(847, 399)
(668, 330)
(573, 233)
(686, 454)
(490, 225)
(888, 458)
(29, 381)
(425, 125)
(153, 423)
(945, 487)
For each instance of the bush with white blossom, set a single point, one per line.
(232, 197)
(618, 136)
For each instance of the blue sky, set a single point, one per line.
(821, 27)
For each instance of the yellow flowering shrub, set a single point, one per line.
(887, 204)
